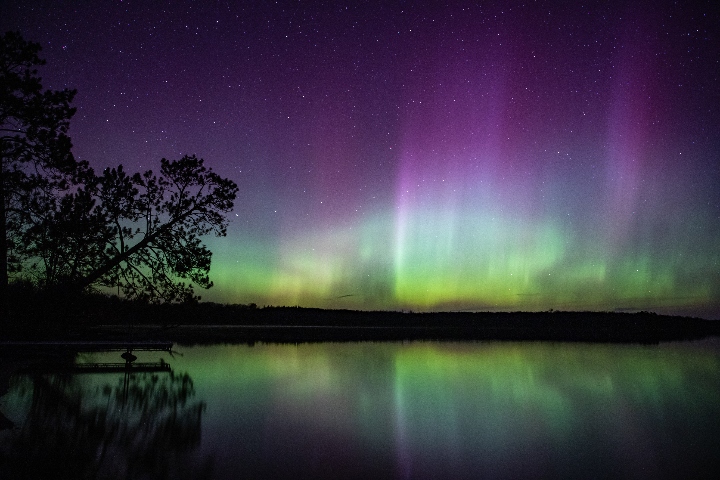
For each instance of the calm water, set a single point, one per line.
(383, 410)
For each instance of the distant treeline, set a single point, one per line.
(38, 313)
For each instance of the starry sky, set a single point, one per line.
(405, 155)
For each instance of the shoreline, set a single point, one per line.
(121, 337)
(207, 324)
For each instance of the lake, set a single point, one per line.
(370, 410)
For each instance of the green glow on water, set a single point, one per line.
(428, 409)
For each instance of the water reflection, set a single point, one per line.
(82, 426)
(556, 410)
(391, 410)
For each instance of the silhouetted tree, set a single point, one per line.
(145, 230)
(35, 151)
(139, 233)
(71, 229)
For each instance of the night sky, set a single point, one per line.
(465, 157)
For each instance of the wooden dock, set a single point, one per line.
(124, 367)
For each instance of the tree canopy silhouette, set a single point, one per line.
(66, 227)
(147, 236)
(37, 162)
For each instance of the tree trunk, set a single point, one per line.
(96, 274)
(3, 250)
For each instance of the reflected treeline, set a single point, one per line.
(145, 426)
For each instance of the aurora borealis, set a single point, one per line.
(504, 156)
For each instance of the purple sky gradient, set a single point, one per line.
(507, 156)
